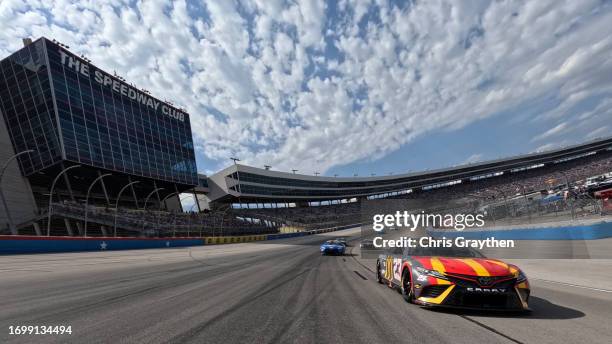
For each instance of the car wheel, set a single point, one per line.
(406, 288)
(379, 278)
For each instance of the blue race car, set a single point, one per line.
(334, 247)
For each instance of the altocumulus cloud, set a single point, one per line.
(315, 84)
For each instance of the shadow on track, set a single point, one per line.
(540, 309)
(544, 309)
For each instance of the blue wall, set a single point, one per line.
(10, 245)
(587, 232)
(33, 244)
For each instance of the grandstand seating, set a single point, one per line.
(506, 199)
(162, 223)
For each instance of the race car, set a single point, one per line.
(367, 244)
(332, 247)
(343, 241)
(454, 278)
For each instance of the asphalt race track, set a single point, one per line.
(278, 292)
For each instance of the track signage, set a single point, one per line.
(106, 80)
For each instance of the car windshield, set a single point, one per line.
(458, 252)
(332, 242)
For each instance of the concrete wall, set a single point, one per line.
(203, 201)
(16, 188)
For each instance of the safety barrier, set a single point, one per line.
(234, 239)
(34, 244)
(594, 231)
(287, 235)
(251, 238)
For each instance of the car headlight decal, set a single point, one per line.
(420, 271)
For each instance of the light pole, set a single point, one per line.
(222, 218)
(239, 189)
(149, 196)
(181, 199)
(526, 202)
(165, 198)
(145, 204)
(6, 209)
(51, 195)
(189, 225)
(163, 202)
(569, 194)
(87, 198)
(117, 205)
(505, 202)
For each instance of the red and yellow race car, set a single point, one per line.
(454, 277)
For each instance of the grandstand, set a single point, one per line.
(72, 132)
(255, 186)
(511, 190)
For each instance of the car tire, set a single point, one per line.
(406, 287)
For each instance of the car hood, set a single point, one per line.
(466, 266)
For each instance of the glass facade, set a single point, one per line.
(104, 122)
(306, 183)
(270, 191)
(26, 103)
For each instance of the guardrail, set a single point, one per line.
(251, 238)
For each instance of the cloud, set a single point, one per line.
(556, 130)
(599, 132)
(473, 158)
(311, 85)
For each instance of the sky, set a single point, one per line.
(351, 87)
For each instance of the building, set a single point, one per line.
(69, 112)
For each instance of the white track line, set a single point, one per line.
(574, 285)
